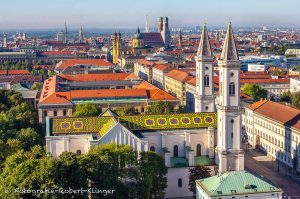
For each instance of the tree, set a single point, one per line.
(153, 172)
(68, 173)
(295, 99)
(112, 166)
(255, 91)
(26, 170)
(160, 107)
(86, 110)
(286, 97)
(28, 138)
(128, 110)
(181, 109)
(37, 86)
(196, 173)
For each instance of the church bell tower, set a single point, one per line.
(204, 98)
(230, 156)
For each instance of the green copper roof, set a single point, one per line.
(179, 162)
(235, 183)
(204, 160)
(65, 125)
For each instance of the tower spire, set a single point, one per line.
(66, 33)
(180, 39)
(147, 25)
(204, 48)
(229, 51)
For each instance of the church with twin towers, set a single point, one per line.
(209, 137)
(232, 180)
(229, 154)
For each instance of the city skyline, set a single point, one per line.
(94, 14)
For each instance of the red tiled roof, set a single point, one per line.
(145, 62)
(14, 72)
(265, 81)
(290, 116)
(108, 93)
(179, 75)
(72, 62)
(99, 77)
(162, 67)
(49, 94)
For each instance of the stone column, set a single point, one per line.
(168, 159)
(211, 142)
(163, 140)
(191, 158)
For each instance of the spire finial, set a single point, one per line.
(229, 51)
(204, 48)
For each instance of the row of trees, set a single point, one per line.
(104, 167)
(160, 107)
(255, 92)
(292, 98)
(18, 125)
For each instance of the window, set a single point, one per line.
(198, 149)
(179, 182)
(64, 112)
(152, 148)
(55, 113)
(231, 89)
(78, 152)
(175, 151)
(206, 80)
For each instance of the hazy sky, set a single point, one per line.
(18, 14)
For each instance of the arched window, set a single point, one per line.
(206, 80)
(175, 151)
(198, 149)
(231, 89)
(179, 182)
(152, 148)
(78, 152)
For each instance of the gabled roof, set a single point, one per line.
(204, 48)
(162, 67)
(235, 183)
(109, 112)
(71, 125)
(179, 75)
(229, 51)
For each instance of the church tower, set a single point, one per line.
(81, 37)
(66, 33)
(4, 40)
(165, 32)
(180, 39)
(138, 40)
(230, 155)
(204, 98)
(117, 47)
